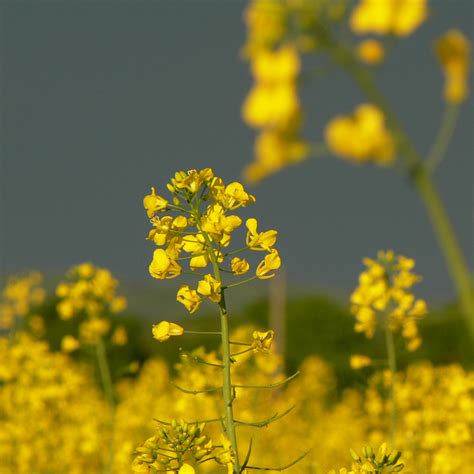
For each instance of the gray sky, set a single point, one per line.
(103, 99)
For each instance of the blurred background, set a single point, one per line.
(102, 100)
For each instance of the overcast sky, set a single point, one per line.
(103, 99)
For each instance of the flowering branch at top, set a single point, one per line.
(201, 232)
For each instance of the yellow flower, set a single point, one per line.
(259, 240)
(398, 17)
(266, 25)
(211, 288)
(262, 341)
(119, 336)
(273, 67)
(66, 309)
(186, 469)
(239, 266)
(189, 298)
(162, 266)
(118, 304)
(153, 203)
(273, 151)
(69, 344)
(384, 289)
(370, 51)
(359, 361)
(454, 51)
(93, 329)
(164, 330)
(191, 180)
(218, 225)
(362, 137)
(234, 196)
(271, 262)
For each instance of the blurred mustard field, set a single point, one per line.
(226, 381)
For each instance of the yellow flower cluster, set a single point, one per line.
(435, 416)
(382, 462)
(51, 416)
(200, 234)
(91, 293)
(22, 293)
(384, 291)
(383, 17)
(362, 137)
(453, 50)
(272, 106)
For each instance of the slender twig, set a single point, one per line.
(440, 146)
(195, 392)
(271, 385)
(199, 360)
(281, 468)
(263, 423)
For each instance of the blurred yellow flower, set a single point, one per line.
(362, 137)
(370, 51)
(398, 17)
(453, 50)
(119, 336)
(359, 361)
(69, 344)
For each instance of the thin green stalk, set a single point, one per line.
(422, 181)
(440, 146)
(392, 364)
(106, 380)
(227, 390)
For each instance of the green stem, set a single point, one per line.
(227, 386)
(440, 146)
(227, 391)
(106, 380)
(422, 181)
(392, 364)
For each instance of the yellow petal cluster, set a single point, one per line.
(384, 292)
(90, 294)
(210, 287)
(362, 137)
(383, 17)
(21, 295)
(453, 50)
(200, 232)
(273, 107)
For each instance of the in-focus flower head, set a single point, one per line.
(197, 232)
